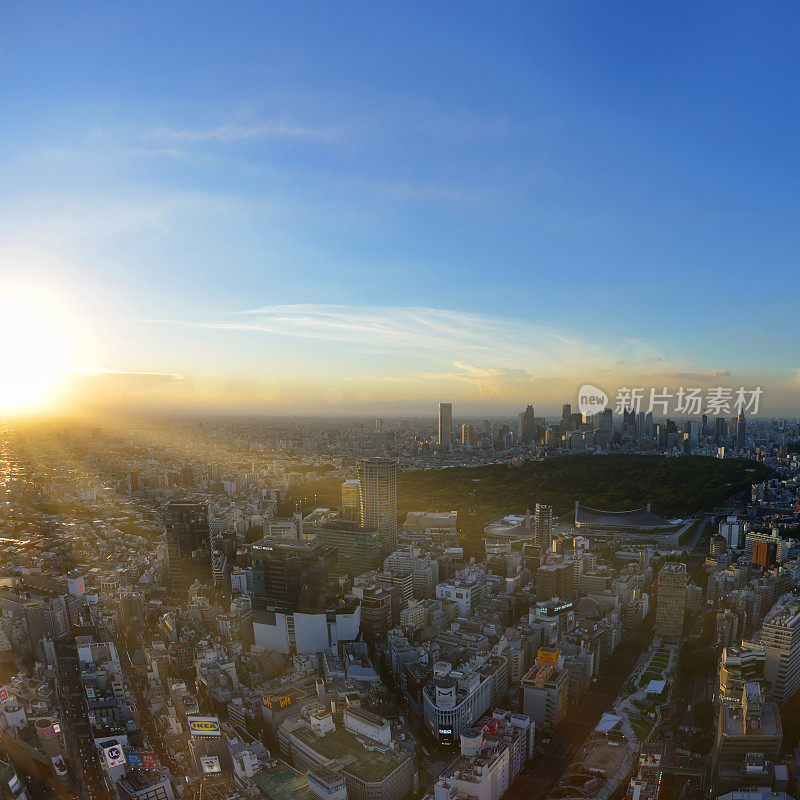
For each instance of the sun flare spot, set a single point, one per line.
(37, 339)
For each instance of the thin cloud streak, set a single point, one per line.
(474, 343)
(226, 134)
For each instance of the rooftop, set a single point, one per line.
(635, 518)
(347, 752)
(282, 782)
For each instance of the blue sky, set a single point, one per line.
(549, 192)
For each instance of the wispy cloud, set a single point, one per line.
(227, 133)
(476, 344)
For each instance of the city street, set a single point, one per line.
(543, 773)
(80, 745)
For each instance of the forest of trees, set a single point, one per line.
(675, 487)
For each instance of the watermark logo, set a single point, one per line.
(591, 400)
(712, 401)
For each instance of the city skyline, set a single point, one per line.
(369, 218)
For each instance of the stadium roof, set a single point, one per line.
(636, 518)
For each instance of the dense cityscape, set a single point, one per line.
(399, 401)
(175, 622)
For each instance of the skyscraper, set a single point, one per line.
(377, 478)
(351, 503)
(543, 526)
(671, 603)
(445, 425)
(527, 425)
(780, 638)
(188, 544)
(294, 575)
(741, 430)
(296, 602)
(467, 434)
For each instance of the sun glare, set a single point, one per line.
(36, 347)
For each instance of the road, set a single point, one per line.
(543, 773)
(84, 754)
(698, 534)
(151, 732)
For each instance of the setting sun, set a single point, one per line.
(37, 342)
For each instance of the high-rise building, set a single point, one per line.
(296, 603)
(359, 549)
(351, 504)
(543, 526)
(527, 425)
(719, 430)
(445, 425)
(467, 434)
(671, 603)
(377, 477)
(741, 430)
(766, 549)
(294, 575)
(731, 529)
(545, 689)
(188, 544)
(780, 638)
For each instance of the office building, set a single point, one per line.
(423, 569)
(445, 434)
(545, 689)
(455, 697)
(671, 604)
(732, 531)
(766, 549)
(351, 504)
(741, 430)
(359, 549)
(295, 597)
(377, 477)
(780, 638)
(543, 526)
(492, 755)
(467, 435)
(294, 574)
(527, 425)
(188, 545)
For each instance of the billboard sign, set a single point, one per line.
(114, 756)
(210, 764)
(148, 758)
(203, 726)
(133, 758)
